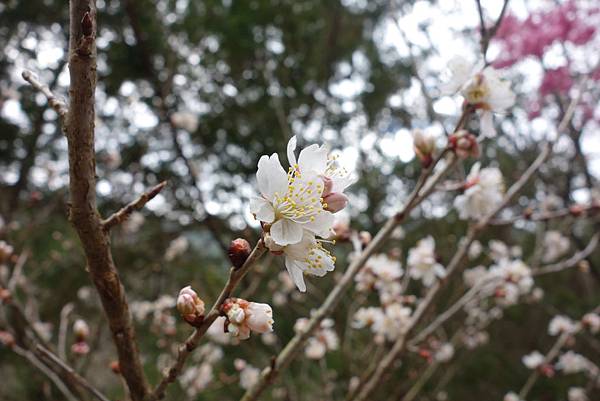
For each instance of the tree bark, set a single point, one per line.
(83, 212)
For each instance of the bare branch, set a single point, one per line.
(57, 104)
(82, 184)
(45, 370)
(69, 371)
(123, 214)
(572, 261)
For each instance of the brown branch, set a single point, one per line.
(185, 349)
(35, 362)
(57, 104)
(83, 213)
(123, 214)
(69, 371)
(527, 215)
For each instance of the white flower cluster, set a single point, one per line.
(244, 317)
(387, 322)
(324, 338)
(297, 206)
(381, 273)
(562, 324)
(555, 246)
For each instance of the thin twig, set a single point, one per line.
(57, 104)
(560, 342)
(63, 328)
(123, 214)
(572, 261)
(45, 370)
(51, 358)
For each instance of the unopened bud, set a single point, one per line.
(424, 146)
(115, 367)
(81, 330)
(464, 144)
(576, 210)
(365, 237)
(190, 306)
(5, 295)
(80, 348)
(6, 339)
(334, 202)
(239, 250)
(546, 370)
(5, 251)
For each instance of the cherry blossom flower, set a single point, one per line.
(555, 246)
(485, 90)
(577, 394)
(422, 264)
(484, 191)
(571, 362)
(316, 159)
(195, 379)
(249, 374)
(379, 272)
(308, 256)
(444, 353)
(533, 360)
(592, 322)
(367, 316)
(243, 317)
(386, 323)
(561, 324)
(298, 201)
(424, 146)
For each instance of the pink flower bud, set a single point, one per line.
(334, 202)
(327, 186)
(424, 146)
(243, 316)
(80, 348)
(464, 144)
(190, 306)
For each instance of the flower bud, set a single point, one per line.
(365, 237)
(5, 251)
(424, 146)
(327, 186)
(115, 367)
(6, 339)
(81, 330)
(190, 306)
(239, 250)
(464, 144)
(80, 348)
(260, 317)
(243, 317)
(5, 295)
(334, 202)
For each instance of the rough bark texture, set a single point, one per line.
(83, 213)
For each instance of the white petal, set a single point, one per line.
(296, 274)
(313, 158)
(262, 209)
(486, 122)
(271, 177)
(285, 232)
(461, 71)
(322, 225)
(291, 148)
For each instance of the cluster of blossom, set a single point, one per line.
(569, 23)
(386, 322)
(163, 322)
(324, 338)
(200, 374)
(249, 374)
(555, 246)
(383, 274)
(295, 208)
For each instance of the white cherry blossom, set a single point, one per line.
(483, 89)
(533, 360)
(484, 192)
(422, 264)
(305, 257)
